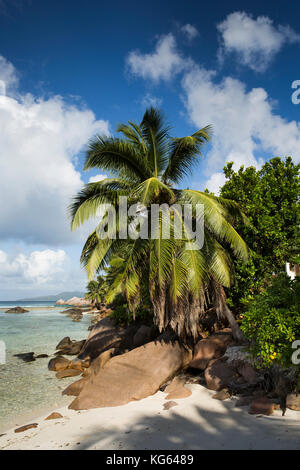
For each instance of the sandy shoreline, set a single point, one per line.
(198, 422)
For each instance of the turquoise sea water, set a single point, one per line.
(26, 387)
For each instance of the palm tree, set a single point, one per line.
(146, 166)
(96, 291)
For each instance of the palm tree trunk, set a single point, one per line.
(224, 311)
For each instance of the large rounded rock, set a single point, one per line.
(103, 336)
(210, 348)
(142, 336)
(73, 349)
(261, 406)
(133, 376)
(64, 343)
(293, 401)
(75, 388)
(176, 389)
(62, 374)
(218, 374)
(58, 363)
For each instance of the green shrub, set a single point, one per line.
(272, 322)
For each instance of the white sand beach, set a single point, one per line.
(198, 422)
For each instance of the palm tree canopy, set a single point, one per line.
(146, 164)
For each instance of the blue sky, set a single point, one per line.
(70, 69)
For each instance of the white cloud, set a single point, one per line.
(245, 125)
(190, 31)
(8, 76)
(162, 64)
(215, 182)
(38, 267)
(254, 41)
(39, 139)
(150, 100)
(94, 179)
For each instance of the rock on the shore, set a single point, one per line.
(176, 389)
(62, 374)
(261, 406)
(133, 375)
(58, 363)
(103, 336)
(54, 415)
(223, 394)
(293, 401)
(210, 348)
(16, 310)
(26, 427)
(75, 388)
(72, 349)
(142, 336)
(218, 374)
(170, 404)
(64, 343)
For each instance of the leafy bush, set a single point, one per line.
(272, 322)
(270, 199)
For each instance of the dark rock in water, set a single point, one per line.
(58, 363)
(26, 357)
(72, 311)
(26, 427)
(73, 349)
(64, 343)
(17, 310)
(41, 356)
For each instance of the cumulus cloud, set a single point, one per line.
(38, 267)
(255, 42)
(245, 124)
(39, 140)
(150, 100)
(94, 179)
(162, 64)
(190, 31)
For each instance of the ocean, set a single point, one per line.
(28, 388)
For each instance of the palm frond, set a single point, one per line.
(88, 201)
(119, 156)
(183, 154)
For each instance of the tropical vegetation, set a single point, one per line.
(272, 322)
(270, 199)
(176, 281)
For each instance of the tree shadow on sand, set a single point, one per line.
(227, 428)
